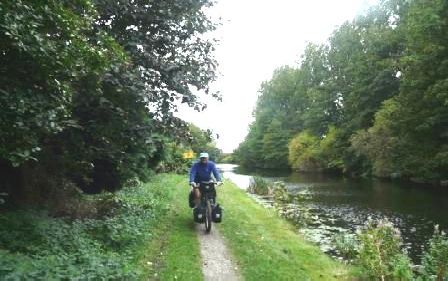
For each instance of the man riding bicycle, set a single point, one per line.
(202, 171)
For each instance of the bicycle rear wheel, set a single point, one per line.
(208, 217)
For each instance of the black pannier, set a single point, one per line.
(211, 191)
(199, 214)
(217, 214)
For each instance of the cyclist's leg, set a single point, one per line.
(197, 196)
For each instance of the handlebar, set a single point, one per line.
(217, 183)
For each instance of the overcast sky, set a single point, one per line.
(256, 37)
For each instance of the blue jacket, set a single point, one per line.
(202, 172)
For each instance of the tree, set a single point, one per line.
(334, 92)
(276, 118)
(165, 42)
(304, 152)
(414, 122)
(88, 88)
(202, 141)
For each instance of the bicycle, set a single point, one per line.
(208, 201)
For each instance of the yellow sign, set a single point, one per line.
(188, 154)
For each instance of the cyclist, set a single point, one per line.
(202, 171)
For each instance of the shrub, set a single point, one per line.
(281, 193)
(346, 245)
(260, 186)
(54, 249)
(34, 245)
(435, 259)
(380, 254)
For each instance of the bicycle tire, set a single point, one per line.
(208, 217)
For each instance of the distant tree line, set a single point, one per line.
(372, 100)
(88, 89)
(198, 141)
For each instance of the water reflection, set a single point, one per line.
(229, 172)
(335, 204)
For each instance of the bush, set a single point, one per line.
(346, 245)
(377, 249)
(173, 160)
(435, 259)
(260, 186)
(380, 254)
(35, 245)
(281, 193)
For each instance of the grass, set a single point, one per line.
(146, 234)
(150, 235)
(175, 252)
(267, 247)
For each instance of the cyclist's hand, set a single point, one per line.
(193, 184)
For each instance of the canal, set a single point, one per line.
(333, 204)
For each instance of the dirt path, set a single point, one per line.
(216, 260)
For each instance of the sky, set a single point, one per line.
(256, 37)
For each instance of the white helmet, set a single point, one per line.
(203, 155)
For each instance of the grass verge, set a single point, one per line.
(267, 247)
(145, 233)
(175, 253)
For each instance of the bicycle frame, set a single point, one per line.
(208, 198)
(208, 192)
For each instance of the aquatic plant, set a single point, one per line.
(346, 245)
(260, 186)
(281, 193)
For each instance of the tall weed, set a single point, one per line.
(435, 258)
(260, 186)
(380, 254)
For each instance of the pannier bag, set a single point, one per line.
(217, 214)
(199, 214)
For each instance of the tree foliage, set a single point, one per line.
(304, 152)
(88, 88)
(371, 100)
(198, 141)
(203, 141)
(414, 123)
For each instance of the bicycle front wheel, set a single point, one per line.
(208, 217)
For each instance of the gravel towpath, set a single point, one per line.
(217, 264)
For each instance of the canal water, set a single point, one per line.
(334, 205)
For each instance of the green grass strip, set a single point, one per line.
(267, 247)
(174, 252)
